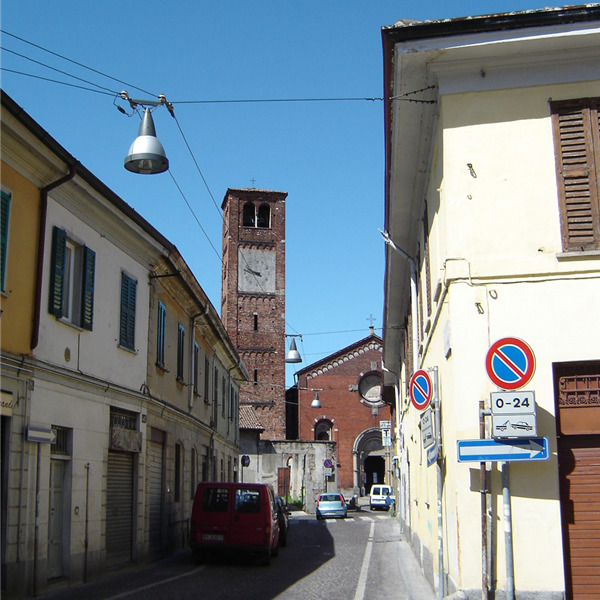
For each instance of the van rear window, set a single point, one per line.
(215, 499)
(247, 501)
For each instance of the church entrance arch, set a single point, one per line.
(369, 460)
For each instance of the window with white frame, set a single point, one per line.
(72, 271)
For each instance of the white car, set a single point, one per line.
(379, 496)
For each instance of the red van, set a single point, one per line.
(234, 516)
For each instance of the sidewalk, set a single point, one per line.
(405, 572)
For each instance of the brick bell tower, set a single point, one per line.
(253, 298)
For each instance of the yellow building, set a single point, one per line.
(492, 211)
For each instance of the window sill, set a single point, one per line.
(66, 321)
(578, 255)
(127, 349)
(162, 367)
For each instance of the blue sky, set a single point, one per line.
(328, 155)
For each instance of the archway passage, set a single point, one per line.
(374, 469)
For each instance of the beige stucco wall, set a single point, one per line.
(495, 242)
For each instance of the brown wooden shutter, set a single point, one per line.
(576, 125)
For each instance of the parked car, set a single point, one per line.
(331, 505)
(381, 497)
(234, 517)
(283, 517)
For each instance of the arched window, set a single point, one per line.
(249, 215)
(264, 216)
(323, 431)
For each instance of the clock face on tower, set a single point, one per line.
(256, 271)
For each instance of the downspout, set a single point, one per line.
(35, 334)
(192, 362)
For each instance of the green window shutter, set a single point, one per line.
(4, 238)
(160, 335)
(128, 295)
(575, 126)
(180, 350)
(87, 292)
(57, 272)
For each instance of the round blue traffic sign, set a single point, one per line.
(420, 389)
(510, 363)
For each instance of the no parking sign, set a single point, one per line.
(420, 389)
(510, 363)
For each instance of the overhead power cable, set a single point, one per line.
(74, 62)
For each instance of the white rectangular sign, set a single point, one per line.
(427, 428)
(506, 426)
(516, 402)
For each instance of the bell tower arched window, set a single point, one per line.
(264, 216)
(249, 215)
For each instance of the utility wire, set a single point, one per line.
(79, 87)
(37, 62)
(194, 214)
(198, 167)
(258, 100)
(75, 62)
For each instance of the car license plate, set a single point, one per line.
(212, 537)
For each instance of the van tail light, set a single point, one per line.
(268, 532)
(341, 499)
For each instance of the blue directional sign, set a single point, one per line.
(494, 450)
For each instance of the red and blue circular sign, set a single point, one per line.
(510, 363)
(420, 389)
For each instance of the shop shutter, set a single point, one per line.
(119, 508)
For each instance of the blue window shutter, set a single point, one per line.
(57, 271)
(87, 292)
(160, 335)
(4, 238)
(128, 295)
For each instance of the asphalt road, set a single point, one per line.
(357, 558)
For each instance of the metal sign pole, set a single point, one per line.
(508, 541)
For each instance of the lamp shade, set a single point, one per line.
(146, 155)
(293, 356)
(316, 403)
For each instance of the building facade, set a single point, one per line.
(352, 414)
(102, 441)
(492, 205)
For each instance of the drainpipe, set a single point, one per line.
(86, 542)
(37, 520)
(35, 334)
(438, 466)
(192, 362)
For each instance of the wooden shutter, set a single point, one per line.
(128, 295)
(87, 291)
(160, 334)
(57, 271)
(4, 237)
(576, 126)
(180, 350)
